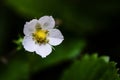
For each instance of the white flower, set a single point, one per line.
(40, 36)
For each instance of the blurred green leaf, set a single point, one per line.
(81, 17)
(34, 8)
(92, 68)
(81, 22)
(23, 63)
(69, 49)
(15, 70)
(18, 42)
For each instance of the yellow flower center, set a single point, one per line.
(40, 36)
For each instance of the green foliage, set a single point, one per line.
(69, 49)
(23, 63)
(34, 8)
(16, 69)
(18, 42)
(92, 68)
(81, 17)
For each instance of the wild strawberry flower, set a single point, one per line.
(41, 35)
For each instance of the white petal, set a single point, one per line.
(29, 27)
(47, 22)
(55, 37)
(29, 44)
(55, 41)
(55, 33)
(43, 50)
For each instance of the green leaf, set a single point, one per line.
(18, 42)
(77, 16)
(16, 69)
(69, 49)
(91, 68)
(34, 8)
(23, 63)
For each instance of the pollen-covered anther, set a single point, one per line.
(40, 36)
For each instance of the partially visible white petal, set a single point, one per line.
(29, 27)
(55, 37)
(29, 44)
(55, 33)
(43, 50)
(55, 41)
(47, 22)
